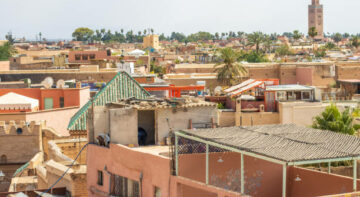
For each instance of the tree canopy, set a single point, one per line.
(312, 32)
(333, 120)
(83, 34)
(6, 51)
(229, 70)
(256, 39)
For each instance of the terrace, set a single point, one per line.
(266, 160)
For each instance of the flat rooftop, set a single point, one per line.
(154, 150)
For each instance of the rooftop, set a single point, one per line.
(284, 143)
(295, 87)
(153, 103)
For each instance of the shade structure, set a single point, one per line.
(13, 101)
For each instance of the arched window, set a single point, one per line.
(3, 159)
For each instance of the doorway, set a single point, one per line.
(146, 127)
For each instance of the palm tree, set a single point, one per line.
(229, 70)
(267, 44)
(256, 39)
(334, 120)
(297, 35)
(312, 32)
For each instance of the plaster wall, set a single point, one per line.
(124, 126)
(169, 119)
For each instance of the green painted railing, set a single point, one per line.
(22, 168)
(120, 87)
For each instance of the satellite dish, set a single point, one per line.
(48, 82)
(60, 83)
(218, 90)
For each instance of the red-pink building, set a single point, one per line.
(85, 57)
(226, 162)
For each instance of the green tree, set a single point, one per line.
(178, 36)
(200, 36)
(337, 37)
(256, 39)
(297, 35)
(82, 34)
(330, 46)
(320, 52)
(283, 50)
(333, 120)
(217, 36)
(9, 37)
(355, 42)
(312, 32)
(6, 51)
(346, 35)
(268, 44)
(229, 70)
(253, 57)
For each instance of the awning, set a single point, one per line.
(243, 84)
(12, 100)
(246, 88)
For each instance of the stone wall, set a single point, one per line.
(19, 142)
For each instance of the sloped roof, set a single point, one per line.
(287, 143)
(122, 86)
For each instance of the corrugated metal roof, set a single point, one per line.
(288, 143)
(122, 86)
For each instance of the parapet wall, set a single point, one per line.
(19, 129)
(19, 142)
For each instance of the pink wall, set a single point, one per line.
(127, 162)
(262, 178)
(304, 75)
(57, 119)
(251, 104)
(315, 183)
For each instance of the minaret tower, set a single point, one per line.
(316, 18)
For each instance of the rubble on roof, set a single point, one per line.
(156, 103)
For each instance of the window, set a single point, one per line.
(3, 159)
(157, 192)
(77, 57)
(19, 131)
(92, 56)
(100, 178)
(305, 95)
(85, 57)
(124, 187)
(62, 102)
(281, 96)
(291, 96)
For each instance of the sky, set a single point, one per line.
(57, 19)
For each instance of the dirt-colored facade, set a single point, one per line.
(19, 142)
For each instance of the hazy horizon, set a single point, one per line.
(57, 19)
